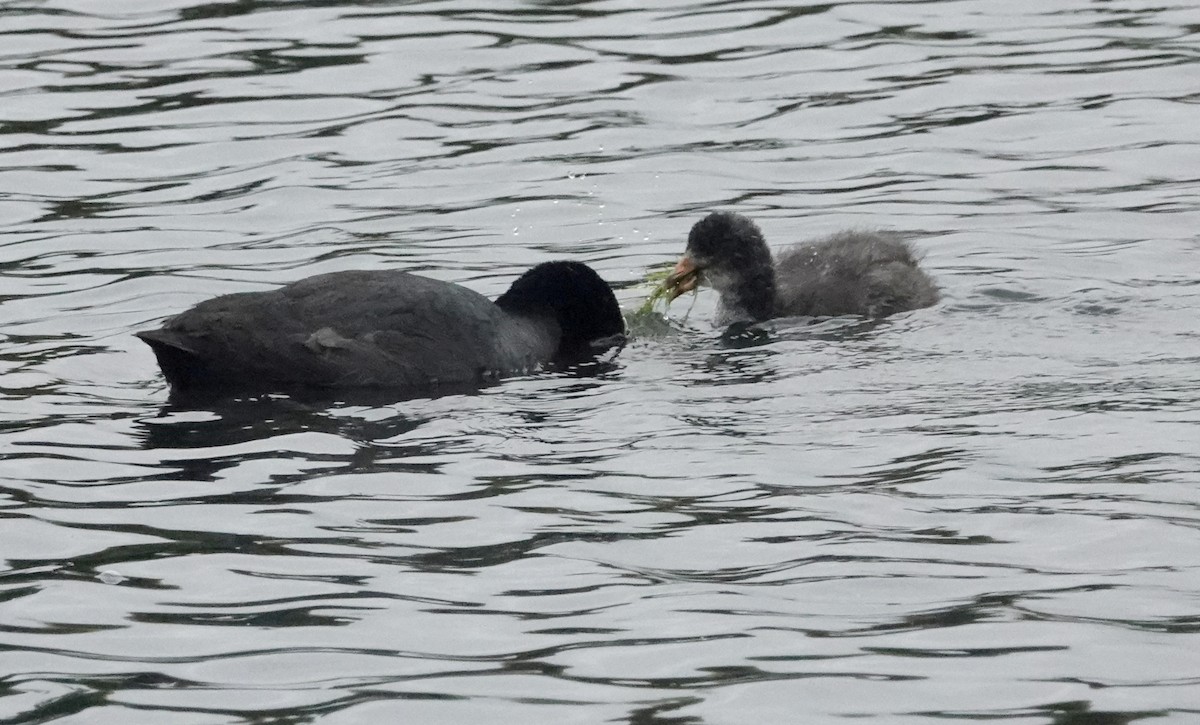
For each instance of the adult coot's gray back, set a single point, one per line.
(386, 329)
(866, 273)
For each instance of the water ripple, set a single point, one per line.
(983, 510)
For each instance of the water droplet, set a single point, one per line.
(111, 577)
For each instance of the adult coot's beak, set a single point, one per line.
(683, 279)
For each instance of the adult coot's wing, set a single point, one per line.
(362, 328)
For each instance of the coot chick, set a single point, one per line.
(386, 329)
(867, 273)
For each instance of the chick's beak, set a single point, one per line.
(683, 279)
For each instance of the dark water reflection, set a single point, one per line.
(982, 511)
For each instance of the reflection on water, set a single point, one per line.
(981, 511)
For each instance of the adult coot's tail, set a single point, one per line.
(181, 366)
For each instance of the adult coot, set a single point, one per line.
(866, 273)
(386, 329)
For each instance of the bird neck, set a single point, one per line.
(751, 298)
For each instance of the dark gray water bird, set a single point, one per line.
(387, 329)
(869, 273)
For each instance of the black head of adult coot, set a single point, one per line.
(387, 329)
(868, 273)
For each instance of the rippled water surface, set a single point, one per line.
(986, 510)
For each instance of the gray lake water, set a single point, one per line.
(987, 510)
